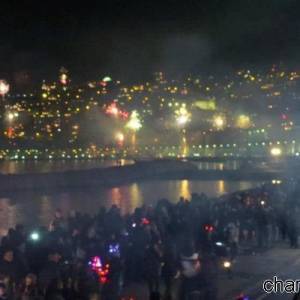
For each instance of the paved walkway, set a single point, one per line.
(250, 270)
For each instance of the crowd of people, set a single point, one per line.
(170, 248)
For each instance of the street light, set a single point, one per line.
(276, 151)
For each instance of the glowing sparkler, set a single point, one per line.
(101, 270)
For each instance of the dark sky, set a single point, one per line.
(131, 39)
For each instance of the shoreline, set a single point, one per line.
(122, 175)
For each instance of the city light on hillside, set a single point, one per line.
(243, 122)
(12, 116)
(219, 122)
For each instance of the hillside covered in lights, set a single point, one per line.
(244, 113)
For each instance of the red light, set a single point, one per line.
(209, 228)
(102, 272)
(145, 221)
(10, 132)
(113, 110)
(103, 280)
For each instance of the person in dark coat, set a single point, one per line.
(169, 269)
(51, 271)
(28, 289)
(152, 268)
(9, 267)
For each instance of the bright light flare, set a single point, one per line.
(10, 116)
(120, 138)
(114, 111)
(219, 122)
(101, 270)
(182, 116)
(34, 236)
(134, 122)
(182, 120)
(64, 79)
(227, 264)
(4, 87)
(276, 151)
(106, 79)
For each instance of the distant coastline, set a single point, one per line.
(140, 171)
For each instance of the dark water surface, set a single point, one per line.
(34, 208)
(21, 167)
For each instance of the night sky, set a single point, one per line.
(131, 39)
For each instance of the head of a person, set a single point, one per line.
(58, 214)
(54, 256)
(8, 255)
(30, 279)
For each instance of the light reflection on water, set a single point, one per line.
(17, 167)
(32, 166)
(34, 208)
